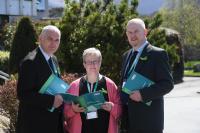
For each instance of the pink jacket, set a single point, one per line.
(73, 120)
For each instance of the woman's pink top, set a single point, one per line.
(73, 120)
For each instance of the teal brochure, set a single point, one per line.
(54, 85)
(69, 98)
(136, 81)
(90, 101)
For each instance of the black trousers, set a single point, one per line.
(147, 131)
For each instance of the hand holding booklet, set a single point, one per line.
(136, 81)
(90, 101)
(54, 85)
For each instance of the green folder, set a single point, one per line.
(136, 81)
(68, 98)
(54, 85)
(90, 101)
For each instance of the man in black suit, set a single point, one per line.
(145, 107)
(34, 115)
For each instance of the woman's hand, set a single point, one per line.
(107, 106)
(76, 108)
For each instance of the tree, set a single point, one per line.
(99, 24)
(183, 16)
(23, 42)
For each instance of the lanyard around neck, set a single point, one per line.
(134, 63)
(95, 87)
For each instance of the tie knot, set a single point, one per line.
(50, 60)
(135, 52)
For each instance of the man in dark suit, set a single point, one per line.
(34, 115)
(145, 107)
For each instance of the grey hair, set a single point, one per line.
(48, 28)
(136, 21)
(92, 52)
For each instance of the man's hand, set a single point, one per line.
(58, 100)
(136, 96)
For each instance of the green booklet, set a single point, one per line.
(54, 85)
(136, 81)
(90, 101)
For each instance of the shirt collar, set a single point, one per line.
(142, 46)
(46, 56)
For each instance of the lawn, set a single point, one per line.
(191, 73)
(189, 68)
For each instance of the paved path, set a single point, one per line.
(182, 107)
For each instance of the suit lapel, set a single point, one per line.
(125, 61)
(44, 66)
(143, 58)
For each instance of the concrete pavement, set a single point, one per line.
(182, 107)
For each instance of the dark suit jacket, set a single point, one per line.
(33, 114)
(156, 68)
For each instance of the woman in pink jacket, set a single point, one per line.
(104, 120)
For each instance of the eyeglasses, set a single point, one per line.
(95, 62)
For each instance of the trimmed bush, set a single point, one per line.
(24, 41)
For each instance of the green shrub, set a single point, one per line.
(7, 36)
(190, 64)
(4, 61)
(102, 25)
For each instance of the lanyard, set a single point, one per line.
(95, 87)
(135, 62)
(136, 59)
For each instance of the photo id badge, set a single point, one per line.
(123, 84)
(92, 115)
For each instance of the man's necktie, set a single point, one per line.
(125, 96)
(133, 56)
(51, 65)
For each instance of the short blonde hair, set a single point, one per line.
(136, 21)
(92, 52)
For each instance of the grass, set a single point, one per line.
(191, 73)
(189, 68)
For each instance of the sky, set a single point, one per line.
(149, 6)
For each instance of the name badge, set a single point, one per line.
(92, 115)
(123, 84)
